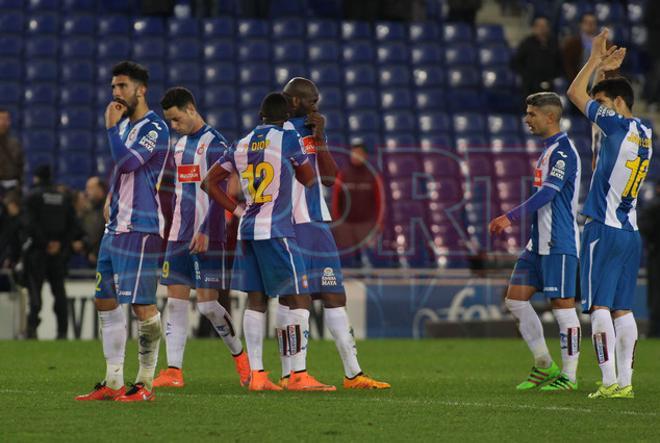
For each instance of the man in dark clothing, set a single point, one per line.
(648, 221)
(11, 155)
(92, 220)
(50, 228)
(357, 206)
(10, 230)
(537, 59)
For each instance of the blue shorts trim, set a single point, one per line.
(555, 275)
(319, 251)
(203, 271)
(609, 264)
(128, 267)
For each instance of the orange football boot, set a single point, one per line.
(284, 382)
(137, 392)
(169, 378)
(102, 392)
(362, 381)
(259, 382)
(242, 367)
(302, 381)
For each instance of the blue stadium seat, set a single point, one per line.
(463, 77)
(437, 142)
(252, 29)
(41, 70)
(498, 79)
(328, 74)
(400, 121)
(495, 55)
(114, 48)
(40, 93)
(391, 99)
(391, 31)
(254, 51)
(79, 25)
(506, 142)
(401, 140)
(487, 34)
(430, 99)
(80, 117)
(39, 117)
(289, 51)
(364, 121)
(78, 182)
(219, 73)
(322, 29)
(358, 52)
(288, 28)
(254, 74)
(465, 100)
(356, 30)
(639, 35)
(284, 72)
(361, 98)
(12, 22)
(148, 27)
(78, 165)
(250, 97)
(41, 47)
(79, 5)
(337, 140)
(104, 73)
(249, 120)
(45, 23)
(424, 32)
(219, 27)
(36, 159)
(43, 5)
(220, 97)
(114, 26)
(156, 91)
(371, 140)
(224, 120)
(499, 124)
(10, 92)
(219, 50)
(636, 11)
(103, 95)
(394, 75)
(427, 54)
(460, 54)
(6, 5)
(457, 33)
(359, 75)
(335, 119)
(323, 51)
(10, 69)
(434, 123)
(79, 47)
(10, 45)
(392, 53)
(183, 72)
(148, 48)
(570, 12)
(78, 71)
(39, 140)
(181, 49)
(76, 94)
(468, 143)
(183, 27)
(612, 12)
(429, 77)
(76, 140)
(468, 123)
(287, 8)
(331, 97)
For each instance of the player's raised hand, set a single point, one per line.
(199, 243)
(599, 45)
(113, 113)
(613, 59)
(499, 224)
(317, 120)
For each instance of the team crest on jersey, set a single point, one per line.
(328, 278)
(132, 135)
(148, 141)
(309, 144)
(559, 169)
(200, 149)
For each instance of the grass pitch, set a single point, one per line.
(443, 390)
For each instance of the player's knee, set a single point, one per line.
(207, 295)
(207, 309)
(333, 300)
(299, 301)
(562, 303)
(144, 312)
(105, 304)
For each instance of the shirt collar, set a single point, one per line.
(551, 140)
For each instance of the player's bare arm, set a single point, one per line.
(327, 164)
(305, 174)
(216, 175)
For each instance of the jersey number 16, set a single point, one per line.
(638, 170)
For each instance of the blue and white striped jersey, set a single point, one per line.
(264, 160)
(135, 203)
(194, 154)
(621, 166)
(309, 205)
(554, 225)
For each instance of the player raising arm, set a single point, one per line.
(611, 244)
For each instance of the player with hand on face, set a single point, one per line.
(549, 263)
(195, 254)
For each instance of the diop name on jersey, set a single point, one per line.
(260, 145)
(636, 139)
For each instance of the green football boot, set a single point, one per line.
(561, 383)
(605, 391)
(624, 392)
(539, 376)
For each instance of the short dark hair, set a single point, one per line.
(274, 107)
(134, 71)
(44, 173)
(177, 96)
(541, 99)
(616, 87)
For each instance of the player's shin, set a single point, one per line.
(222, 323)
(113, 335)
(569, 337)
(602, 334)
(282, 321)
(336, 320)
(531, 330)
(149, 332)
(298, 332)
(176, 331)
(254, 329)
(626, 340)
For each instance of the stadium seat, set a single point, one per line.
(78, 165)
(10, 45)
(148, 27)
(284, 72)
(576, 125)
(286, 28)
(254, 51)
(183, 27)
(430, 99)
(39, 117)
(156, 71)
(424, 32)
(358, 52)
(184, 49)
(510, 165)
(427, 54)
(114, 48)
(442, 166)
(499, 124)
(457, 33)
(254, 74)
(322, 29)
(220, 97)
(469, 143)
(219, 73)
(400, 121)
(10, 69)
(331, 97)
(436, 142)
(392, 99)
(79, 47)
(329, 74)
(460, 54)
(149, 48)
(393, 53)
(219, 50)
(289, 51)
(434, 122)
(370, 139)
(36, 159)
(12, 22)
(78, 71)
(10, 92)
(356, 30)
(79, 5)
(39, 140)
(224, 120)
(363, 121)
(429, 77)
(249, 120)
(253, 29)
(79, 25)
(635, 11)
(463, 77)
(359, 75)
(570, 12)
(506, 142)
(361, 98)
(183, 72)
(398, 163)
(114, 26)
(77, 118)
(42, 5)
(11, 4)
(495, 55)
(103, 96)
(218, 27)
(394, 75)
(251, 97)
(487, 34)
(76, 94)
(41, 47)
(323, 51)
(76, 140)
(399, 141)
(335, 119)
(612, 12)
(390, 31)
(44, 23)
(498, 78)
(460, 100)
(41, 70)
(468, 123)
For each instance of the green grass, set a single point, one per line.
(442, 390)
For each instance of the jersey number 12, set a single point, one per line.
(263, 172)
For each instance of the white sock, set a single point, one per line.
(221, 321)
(531, 330)
(149, 332)
(300, 318)
(604, 340)
(281, 322)
(113, 336)
(336, 319)
(626, 339)
(176, 331)
(254, 329)
(569, 340)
